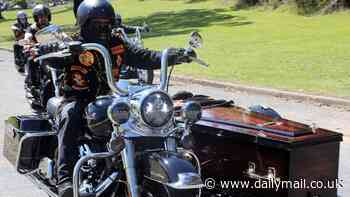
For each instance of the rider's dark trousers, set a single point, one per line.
(32, 69)
(71, 127)
(19, 56)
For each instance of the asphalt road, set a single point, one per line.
(12, 102)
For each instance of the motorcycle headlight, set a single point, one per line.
(157, 109)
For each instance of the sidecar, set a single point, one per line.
(248, 153)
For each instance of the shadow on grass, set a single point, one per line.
(186, 21)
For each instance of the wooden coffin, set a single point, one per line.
(234, 144)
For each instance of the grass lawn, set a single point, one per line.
(257, 47)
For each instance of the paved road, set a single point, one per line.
(12, 102)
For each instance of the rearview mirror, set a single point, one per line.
(196, 40)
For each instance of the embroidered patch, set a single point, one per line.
(116, 73)
(118, 50)
(119, 60)
(79, 68)
(86, 58)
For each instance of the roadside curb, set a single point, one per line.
(325, 100)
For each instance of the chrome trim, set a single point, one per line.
(195, 157)
(170, 144)
(128, 157)
(106, 183)
(187, 180)
(26, 136)
(164, 70)
(136, 121)
(76, 172)
(181, 183)
(270, 175)
(108, 66)
(55, 80)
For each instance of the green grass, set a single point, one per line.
(257, 47)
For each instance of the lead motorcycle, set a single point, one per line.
(139, 151)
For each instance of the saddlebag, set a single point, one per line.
(27, 140)
(234, 144)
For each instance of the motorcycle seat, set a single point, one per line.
(53, 105)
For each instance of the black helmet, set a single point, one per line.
(93, 31)
(41, 10)
(21, 14)
(97, 119)
(22, 17)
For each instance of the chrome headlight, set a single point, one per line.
(157, 109)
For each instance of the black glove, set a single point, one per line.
(145, 28)
(180, 55)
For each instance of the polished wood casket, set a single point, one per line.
(237, 145)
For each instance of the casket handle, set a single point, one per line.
(270, 175)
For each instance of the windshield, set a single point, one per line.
(50, 34)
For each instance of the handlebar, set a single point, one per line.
(108, 67)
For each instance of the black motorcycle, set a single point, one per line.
(44, 77)
(137, 152)
(19, 56)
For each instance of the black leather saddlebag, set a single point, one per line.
(28, 139)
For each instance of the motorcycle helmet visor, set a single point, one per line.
(43, 20)
(100, 29)
(22, 20)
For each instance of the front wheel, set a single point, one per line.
(145, 76)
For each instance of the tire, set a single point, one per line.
(145, 76)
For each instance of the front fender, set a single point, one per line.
(172, 170)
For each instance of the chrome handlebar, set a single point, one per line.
(108, 67)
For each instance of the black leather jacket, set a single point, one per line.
(19, 30)
(89, 81)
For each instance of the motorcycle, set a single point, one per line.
(19, 56)
(139, 152)
(45, 78)
(207, 140)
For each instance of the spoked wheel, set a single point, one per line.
(145, 76)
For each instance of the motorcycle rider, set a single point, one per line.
(84, 82)
(42, 17)
(19, 29)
